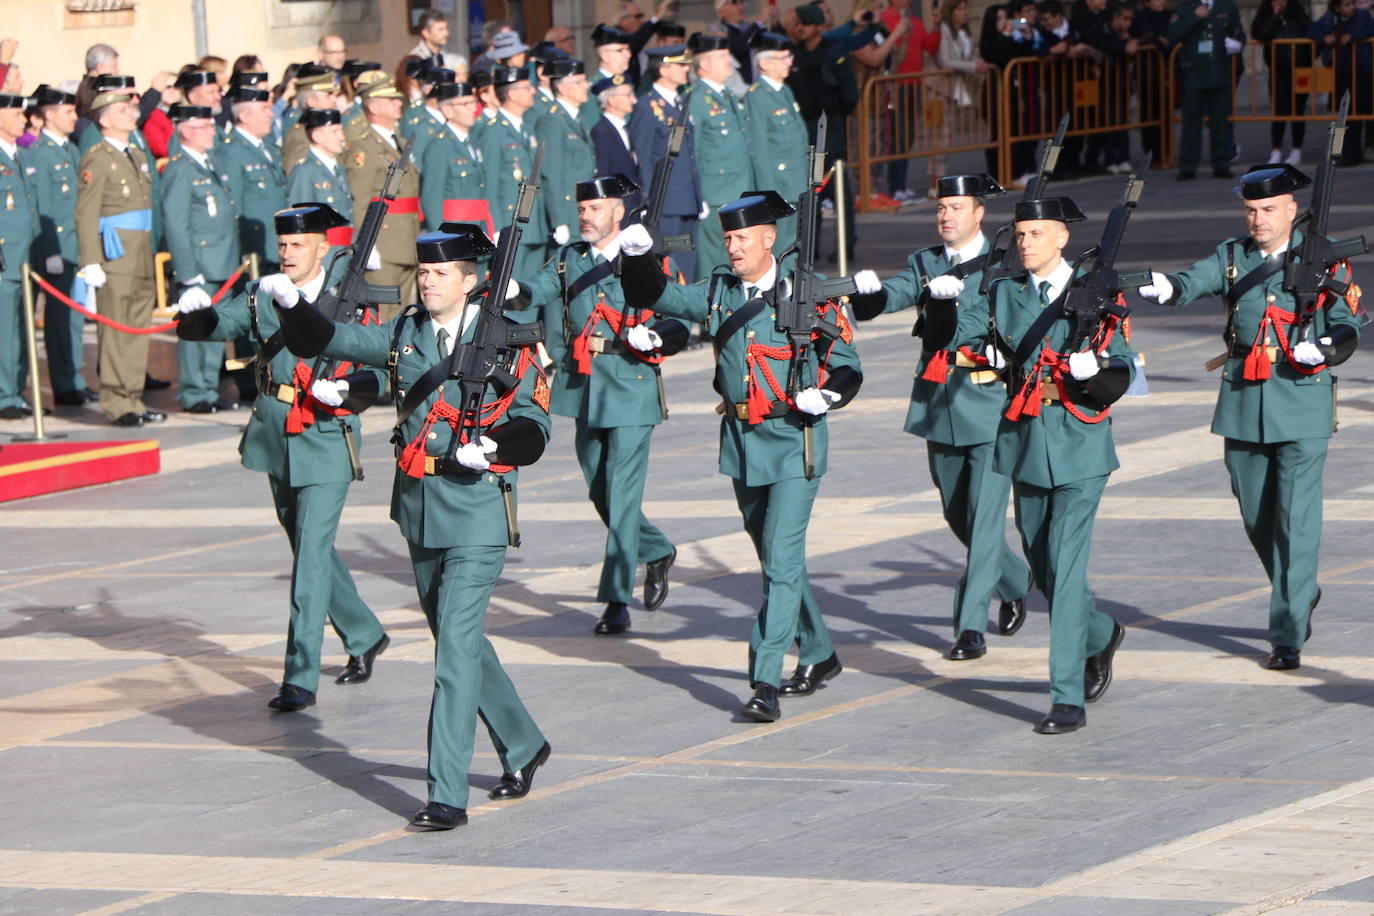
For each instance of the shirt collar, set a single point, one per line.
(611, 249)
(457, 326)
(1280, 252)
(567, 106)
(385, 133)
(59, 140)
(257, 143)
(615, 120)
(199, 158)
(311, 290)
(120, 145)
(435, 113)
(970, 251)
(768, 280)
(10, 149)
(516, 121)
(1059, 278)
(720, 90)
(459, 132)
(671, 99)
(329, 161)
(777, 86)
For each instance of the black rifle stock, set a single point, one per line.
(658, 192)
(1049, 159)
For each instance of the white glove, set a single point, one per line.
(867, 281)
(705, 211)
(561, 235)
(280, 288)
(815, 401)
(53, 265)
(374, 260)
(94, 275)
(994, 357)
(1083, 366)
(1233, 46)
(1160, 288)
(643, 338)
(474, 454)
(1308, 354)
(635, 240)
(329, 392)
(945, 287)
(512, 288)
(193, 300)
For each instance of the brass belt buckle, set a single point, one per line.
(596, 344)
(742, 411)
(285, 393)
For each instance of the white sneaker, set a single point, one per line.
(1275, 157)
(903, 196)
(1294, 157)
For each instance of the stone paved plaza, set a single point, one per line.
(142, 623)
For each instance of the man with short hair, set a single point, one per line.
(252, 172)
(19, 225)
(333, 51)
(508, 146)
(656, 112)
(314, 92)
(452, 182)
(318, 176)
(423, 122)
(562, 38)
(433, 29)
(777, 133)
(722, 141)
(568, 154)
(640, 28)
(738, 34)
(101, 59)
(610, 136)
(612, 59)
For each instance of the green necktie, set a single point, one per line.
(954, 260)
(442, 337)
(1044, 293)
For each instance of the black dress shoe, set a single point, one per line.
(807, 678)
(153, 416)
(226, 404)
(1062, 718)
(517, 784)
(128, 419)
(292, 698)
(615, 619)
(359, 667)
(202, 407)
(656, 580)
(90, 394)
(438, 816)
(1186, 176)
(763, 705)
(154, 384)
(1097, 672)
(969, 645)
(1284, 658)
(69, 398)
(1010, 616)
(14, 413)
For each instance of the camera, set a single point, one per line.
(866, 18)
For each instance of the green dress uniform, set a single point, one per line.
(19, 227)
(114, 221)
(1275, 424)
(507, 157)
(421, 124)
(569, 157)
(51, 165)
(720, 126)
(1205, 68)
(314, 180)
(366, 162)
(253, 174)
(456, 524)
(956, 405)
(203, 238)
(778, 141)
(451, 170)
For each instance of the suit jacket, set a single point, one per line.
(648, 129)
(366, 162)
(257, 185)
(51, 169)
(202, 232)
(613, 157)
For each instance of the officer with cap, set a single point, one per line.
(655, 114)
(304, 435)
(425, 121)
(486, 97)
(314, 92)
(114, 233)
(251, 169)
(569, 156)
(1057, 449)
(765, 430)
(956, 403)
(1276, 407)
(318, 174)
(19, 226)
(721, 129)
(203, 238)
(609, 382)
(51, 165)
(777, 133)
(457, 515)
(201, 88)
(507, 146)
(452, 184)
(369, 156)
(110, 82)
(613, 57)
(541, 56)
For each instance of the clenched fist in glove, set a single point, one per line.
(193, 300)
(1307, 353)
(561, 235)
(374, 260)
(328, 391)
(281, 289)
(994, 357)
(635, 240)
(815, 401)
(474, 454)
(945, 286)
(643, 338)
(94, 275)
(1160, 288)
(1083, 366)
(867, 282)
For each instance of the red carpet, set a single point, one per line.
(29, 469)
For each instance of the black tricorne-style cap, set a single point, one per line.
(47, 95)
(112, 82)
(308, 218)
(354, 68)
(480, 78)
(664, 27)
(247, 78)
(248, 94)
(312, 118)
(193, 78)
(178, 113)
(504, 76)
(606, 186)
(609, 35)
(442, 92)
(1060, 209)
(755, 208)
(1271, 180)
(976, 184)
(544, 51)
(9, 100)
(453, 242)
(700, 43)
(432, 74)
(557, 69)
(770, 41)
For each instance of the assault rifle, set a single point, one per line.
(652, 213)
(997, 267)
(1092, 296)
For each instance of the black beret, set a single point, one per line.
(47, 95)
(320, 117)
(605, 186)
(1060, 209)
(609, 35)
(178, 112)
(977, 184)
(700, 43)
(1271, 180)
(453, 242)
(755, 208)
(307, 218)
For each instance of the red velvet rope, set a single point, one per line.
(108, 322)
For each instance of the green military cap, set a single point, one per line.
(105, 99)
(755, 208)
(380, 88)
(315, 76)
(1059, 209)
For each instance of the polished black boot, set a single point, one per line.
(1010, 616)
(1062, 718)
(1097, 672)
(969, 645)
(807, 678)
(359, 667)
(656, 580)
(438, 816)
(615, 619)
(1284, 658)
(292, 698)
(763, 705)
(517, 784)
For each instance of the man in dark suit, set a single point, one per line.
(641, 29)
(654, 114)
(739, 33)
(611, 138)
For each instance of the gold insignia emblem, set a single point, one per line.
(542, 393)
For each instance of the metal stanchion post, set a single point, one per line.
(31, 341)
(841, 220)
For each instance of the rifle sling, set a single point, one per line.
(741, 316)
(590, 278)
(523, 335)
(1254, 278)
(1040, 328)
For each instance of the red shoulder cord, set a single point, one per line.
(412, 460)
(1256, 367)
(582, 353)
(305, 405)
(760, 405)
(1028, 400)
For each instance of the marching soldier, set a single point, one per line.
(1055, 446)
(456, 514)
(609, 383)
(772, 443)
(369, 156)
(568, 154)
(1275, 410)
(203, 237)
(777, 133)
(956, 403)
(314, 92)
(114, 228)
(507, 146)
(654, 116)
(318, 175)
(252, 171)
(19, 225)
(304, 436)
(452, 186)
(720, 126)
(51, 164)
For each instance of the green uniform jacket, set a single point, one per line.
(202, 232)
(719, 124)
(366, 161)
(51, 169)
(1288, 405)
(569, 157)
(257, 185)
(507, 157)
(772, 450)
(451, 170)
(110, 184)
(310, 180)
(777, 137)
(422, 125)
(18, 216)
(1054, 448)
(545, 105)
(1204, 62)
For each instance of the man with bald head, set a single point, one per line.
(333, 51)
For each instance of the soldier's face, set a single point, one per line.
(197, 134)
(957, 219)
(599, 220)
(1040, 243)
(436, 35)
(301, 255)
(119, 116)
(444, 287)
(255, 117)
(715, 66)
(614, 58)
(519, 97)
(386, 112)
(674, 74)
(750, 250)
(461, 111)
(329, 138)
(574, 88)
(60, 119)
(1270, 220)
(11, 123)
(620, 101)
(776, 64)
(208, 96)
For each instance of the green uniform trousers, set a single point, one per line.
(321, 586)
(1056, 528)
(1215, 103)
(14, 359)
(455, 584)
(1279, 488)
(614, 462)
(62, 328)
(776, 516)
(124, 357)
(974, 497)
